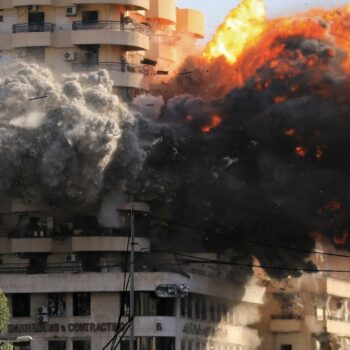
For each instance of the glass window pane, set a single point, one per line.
(57, 345)
(81, 304)
(81, 344)
(57, 304)
(20, 305)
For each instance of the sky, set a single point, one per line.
(215, 10)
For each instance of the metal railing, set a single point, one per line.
(286, 317)
(113, 25)
(110, 66)
(31, 27)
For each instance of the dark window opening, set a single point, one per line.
(90, 17)
(37, 263)
(183, 307)
(57, 304)
(197, 307)
(36, 17)
(165, 343)
(204, 308)
(1, 18)
(286, 347)
(212, 310)
(90, 262)
(21, 346)
(147, 304)
(81, 304)
(189, 306)
(20, 305)
(81, 344)
(90, 53)
(57, 345)
(36, 21)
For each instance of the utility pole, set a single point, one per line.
(132, 279)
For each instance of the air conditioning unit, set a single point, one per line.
(32, 8)
(42, 319)
(71, 258)
(70, 56)
(71, 11)
(42, 310)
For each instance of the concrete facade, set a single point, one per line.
(66, 287)
(81, 35)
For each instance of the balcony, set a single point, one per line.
(132, 35)
(16, 3)
(107, 244)
(29, 35)
(31, 245)
(122, 74)
(285, 323)
(129, 5)
(338, 327)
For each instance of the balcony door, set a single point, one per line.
(90, 17)
(36, 21)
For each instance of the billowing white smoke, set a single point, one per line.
(57, 134)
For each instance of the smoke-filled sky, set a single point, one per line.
(215, 11)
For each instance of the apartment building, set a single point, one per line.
(307, 313)
(66, 279)
(135, 40)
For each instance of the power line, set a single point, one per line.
(197, 259)
(253, 242)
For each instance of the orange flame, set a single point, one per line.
(290, 132)
(215, 122)
(280, 99)
(240, 29)
(319, 153)
(300, 151)
(341, 239)
(247, 40)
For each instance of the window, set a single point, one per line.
(190, 345)
(183, 344)
(1, 20)
(90, 17)
(197, 307)
(189, 306)
(21, 346)
(320, 313)
(57, 304)
(165, 307)
(81, 344)
(147, 304)
(81, 305)
(20, 305)
(286, 347)
(124, 345)
(204, 308)
(212, 310)
(57, 345)
(183, 307)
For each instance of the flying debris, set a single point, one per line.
(37, 98)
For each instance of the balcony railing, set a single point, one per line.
(286, 317)
(110, 66)
(112, 25)
(33, 28)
